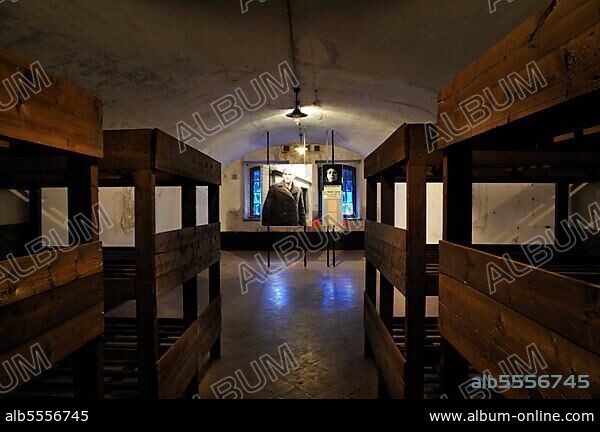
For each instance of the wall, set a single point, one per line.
(119, 205)
(502, 213)
(234, 191)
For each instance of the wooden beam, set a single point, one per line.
(391, 153)
(559, 44)
(179, 365)
(80, 262)
(146, 304)
(513, 332)
(214, 272)
(458, 196)
(126, 151)
(25, 319)
(60, 341)
(564, 305)
(385, 249)
(60, 116)
(416, 278)
(191, 164)
(458, 227)
(370, 270)
(388, 358)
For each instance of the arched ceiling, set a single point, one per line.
(376, 64)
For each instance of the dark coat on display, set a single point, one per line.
(284, 207)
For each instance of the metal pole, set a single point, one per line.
(269, 240)
(327, 245)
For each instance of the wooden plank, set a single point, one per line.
(210, 326)
(126, 150)
(458, 196)
(567, 306)
(83, 200)
(457, 226)
(385, 248)
(82, 261)
(190, 287)
(563, 41)
(61, 341)
(482, 354)
(191, 164)
(416, 278)
(28, 318)
(178, 366)
(214, 271)
(146, 299)
(390, 361)
(60, 116)
(389, 154)
(168, 282)
(513, 332)
(178, 239)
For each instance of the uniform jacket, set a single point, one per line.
(284, 207)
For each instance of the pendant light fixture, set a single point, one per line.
(297, 115)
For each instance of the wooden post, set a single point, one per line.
(83, 204)
(146, 305)
(370, 270)
(458, 196)
(214, 276)
(386, 288)
(416, 278)
(458, 228)
(388, 215)
(190, 287)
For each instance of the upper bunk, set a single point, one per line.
(127, 151)
(407, 143)
(40, 110)
(385, 245)
(51, 300)
(543, 78)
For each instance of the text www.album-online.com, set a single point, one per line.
(536, 416)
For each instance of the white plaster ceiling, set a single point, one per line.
(376, 64)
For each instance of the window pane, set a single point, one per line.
(348, 188)
(255, 193)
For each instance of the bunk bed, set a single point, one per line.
(405, 349)
(550, 136)
(51, 295)
(149, 356)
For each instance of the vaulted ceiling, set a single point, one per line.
(154, 63)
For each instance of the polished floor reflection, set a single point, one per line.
(316, 312)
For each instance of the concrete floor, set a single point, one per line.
(317, 312)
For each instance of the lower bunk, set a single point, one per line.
(576, 266)
(512, 321)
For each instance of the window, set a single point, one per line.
(349, 192)
(255, 193)
(349, 195)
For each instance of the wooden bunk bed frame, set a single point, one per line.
(404, 349)
(166, 353)
(550, 136)
(52, 138)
